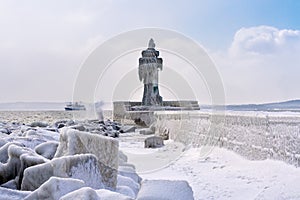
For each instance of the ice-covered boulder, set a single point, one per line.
(127, 129)
(9, 194)
(28, 160)
(146, 131)
(85, 193)
(24, 128)
(5, 130)
(39, 124)
(30, 142)
(12, 184)
(71, 122)
(127, 191)
(109, 195)
(2, 142)
(129, 182)
(78, 127)
(106, 150)
(57, 123)
(47, 149)
(4, 151)
(84, 167)
(154, 142)
(55, 188)
(165, 189)
(16, 164)
(129, 172)
(43, 134)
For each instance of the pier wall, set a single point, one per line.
(255, 137)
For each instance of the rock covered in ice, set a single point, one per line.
(84, 167)
(127, 129)
(29, 142)
(32, 159)
(154, 142)
(47, 149)
(10, 170)
(127, 191)
(87, 193)
(19, 159)
(57, 123)
(5, 130)
(78, 127)
(2, 142)
(9, 194)
(39, 124)
(106, 150)
(128, 182)
(43, 134)
(28, 160)
(165, 189)
(129, 172)
(12, 184)
(108, 195)
(55, 188)
(4, 151)
(146, 131)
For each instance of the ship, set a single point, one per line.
(75, 106)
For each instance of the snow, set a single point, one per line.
(221, 174)
(165, 189)
(225, 175)
(148, 159)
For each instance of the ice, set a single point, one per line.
(55, 188)
(47, 149)
(85, 193)
(9, 194)
(106, 150)
(129, 182)
(84, 167)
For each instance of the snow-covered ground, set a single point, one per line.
(226, 175)
(222, 174)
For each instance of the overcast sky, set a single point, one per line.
(254, 44)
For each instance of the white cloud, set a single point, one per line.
(261, 65)
(264, 40)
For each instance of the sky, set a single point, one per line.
(255, 45)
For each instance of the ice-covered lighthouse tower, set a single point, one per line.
(149, 65)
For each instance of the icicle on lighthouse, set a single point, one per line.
(149, 66)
